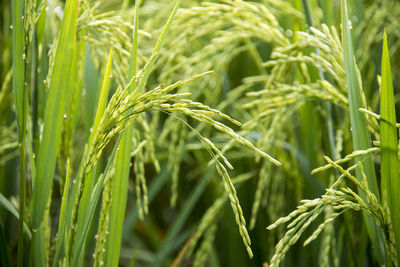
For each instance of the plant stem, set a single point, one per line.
(20, 103)
(326, 105)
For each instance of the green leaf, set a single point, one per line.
(85, 221)
(361, 136)
(103, 96)
(8, 206)
(20, 99)
(53, 119)
(62, 221)
(158, 46)
(19, 62)
(87, 205)
(119, 189)
(390, 190)
(121, 177)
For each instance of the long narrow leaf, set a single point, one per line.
(390, 190)
(18, 61)
(120, 184)
(119, 189)
(86, 205)
(20, 98)
(158, 46)
(53, 118)
(103, 95)
(361, 135)
(8, 206)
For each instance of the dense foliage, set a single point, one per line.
(194, 133)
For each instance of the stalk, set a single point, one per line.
(20, 95)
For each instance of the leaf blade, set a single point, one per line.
(51, 136)
(389, 146)
(360, 134)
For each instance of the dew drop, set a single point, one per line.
(349, 24)
(23, 56)
(22, 17)
(110, 75)
(11, 26)
(355, 18)
(74, 181)
(289, 33)
(59, 12)
(65, 115)
(91, 129)
(34, 155)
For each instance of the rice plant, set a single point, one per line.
(199, 133)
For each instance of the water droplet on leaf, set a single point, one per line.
(289, 33)
(349, 24)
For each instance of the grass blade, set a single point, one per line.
(103, 96)
(158, 46)
(93, 196)
(8, 206)
(119, 189)
(62, 220)
(86, 205)
(361, 136)
(19, 62)
(120, 185)
(53, 119)
(390, 190)
(120, 195)
(20, 97)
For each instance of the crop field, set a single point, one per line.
(199, 133)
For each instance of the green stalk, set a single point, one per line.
(21, 201)
(361, 136)
(20, 96)
(390, 190)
